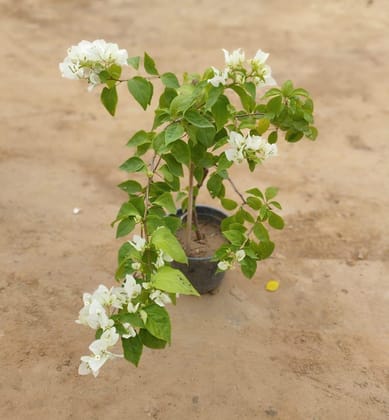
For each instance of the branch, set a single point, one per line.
(236, 190)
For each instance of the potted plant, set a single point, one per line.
(203, 125)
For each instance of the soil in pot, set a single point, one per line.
(201, 271)
(210, 240)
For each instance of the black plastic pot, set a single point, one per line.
(201, 271)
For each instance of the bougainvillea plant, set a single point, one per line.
(203, 125)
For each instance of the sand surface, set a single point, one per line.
(318, 348)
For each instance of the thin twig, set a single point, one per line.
(236, 190)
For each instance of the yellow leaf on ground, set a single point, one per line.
(272, 285)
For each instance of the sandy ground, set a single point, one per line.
(318, 348)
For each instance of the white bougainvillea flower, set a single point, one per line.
(102, 294)
(269, 150)
(109, 337)
(234, 155)
(239, 255)
(87, 59)
(130, 330)
(223, 265)
(219, 77)
(138, 243)
(269, 81)
(162, 258)
(118, 297)
(94, 316)
(160, 298)
(136, 266)
(253, 142)
(236, 140)
(131, 308)
(235, 59)
(259, 59)
(237, 143)
(131, 287)
(143, 315)
(262, 71)
(99, 348)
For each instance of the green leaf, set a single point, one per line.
(246, 215)
(215, 186)
(109, 98)
(292, 136)
(251, 89)
(125, 227)
(132, 318)
(229, 204)
(174, 132)
(130, 186)
(263, 213)
(162, 238)
(134, 62)
(262, 125)
(171, 280)
(99, 333)
(308, 105)
(134, 164)
(158, 322)
(170, 80)
(272, 92)
(254, 202)
(265, 249)
(139, 204)
(261, 232)
(220, 112)
(248, 266)
(300, 92)
(235, 237)
(140, 137)
(150, 341)
(126, 210)
(132, 349)
(271, 192)
(274, 105)
(181, 151)
(247, 101)
(256, 192)
(115, 71)
(149, 65)
(206, 136)
(166, 201)
(276, 221)
(213, 95)
(275, 204)
(273, 137)
(174, 167)
(313, 133)
(173, 223)
(196, 119)
(287, 88)
(180, 104)
(141, 89)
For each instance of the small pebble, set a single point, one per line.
(76, 210)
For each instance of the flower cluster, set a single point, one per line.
(87, 60)
(103, 304)
(227, 264)
(239, 70)
(249, 147)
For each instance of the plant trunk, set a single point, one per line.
(189, 215)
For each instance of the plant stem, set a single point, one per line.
(236, 190)
(189, 216)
